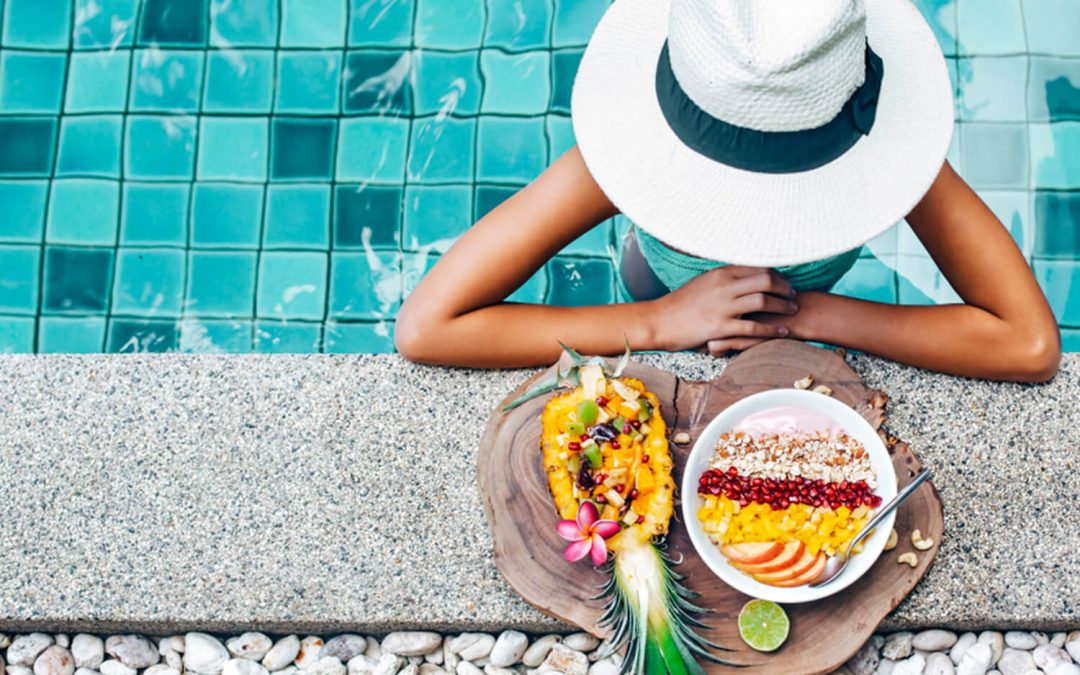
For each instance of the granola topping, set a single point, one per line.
(829, 456)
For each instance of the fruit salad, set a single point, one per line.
(787, 488)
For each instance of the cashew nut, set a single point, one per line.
(804, 383)
(823, 389)
(681, 438)
(891, 543)
(909, 559)
(918, 542)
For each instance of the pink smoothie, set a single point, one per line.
(787, 420)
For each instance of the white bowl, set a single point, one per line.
(702, 453)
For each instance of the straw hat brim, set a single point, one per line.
(715, 211)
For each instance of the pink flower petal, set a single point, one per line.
(579, 549)
(599, 550)
(569, 530)
(606, 528)
(586, 515)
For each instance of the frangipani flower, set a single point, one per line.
(587, 534)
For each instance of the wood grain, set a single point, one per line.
(824, 634)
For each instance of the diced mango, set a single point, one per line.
(644, 481)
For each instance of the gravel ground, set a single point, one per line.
(929, 652)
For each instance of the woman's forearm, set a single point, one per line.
(957, 339)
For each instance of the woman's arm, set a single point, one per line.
(1005, 330)
(456, 316)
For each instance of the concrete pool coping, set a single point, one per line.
(324, 493)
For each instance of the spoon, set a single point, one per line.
(837, 563)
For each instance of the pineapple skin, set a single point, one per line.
(661, 501)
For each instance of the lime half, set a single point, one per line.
(763, 625)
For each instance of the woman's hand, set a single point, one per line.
(712, 310)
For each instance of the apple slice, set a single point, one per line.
(752, 553)
(807, 576)
(789, 556)
(804, 563)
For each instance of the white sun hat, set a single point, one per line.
(763, 132)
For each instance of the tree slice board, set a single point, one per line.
(824, 634)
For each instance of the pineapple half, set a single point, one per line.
(626, 470)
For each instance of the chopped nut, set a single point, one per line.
(681, 438)
(804, 383)
(891, 543)
(822, 389)
(909, 559)
(918, 542)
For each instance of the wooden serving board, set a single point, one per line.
(824, 634)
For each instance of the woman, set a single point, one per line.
(775, 136)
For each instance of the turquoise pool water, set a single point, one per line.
(276, 175)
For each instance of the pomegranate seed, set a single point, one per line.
(817, 502)
(620, 487)
(626, 428)
(615, 445)
(600, 498)
(876, 501)
(715, 490)
(644, 459)
(733, 471)
(868, 500)
(633, 493)
(834, 505)
(601, 477)
(783, 503)
(574, 446)
(799, 480)
(601, 401)
(635, 423)
(640, 519)
(584, 437)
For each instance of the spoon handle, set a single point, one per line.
(884, 511)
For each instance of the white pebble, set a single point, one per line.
(1065, 669)
(435, 656)
(508, 649)
(134, 651)
(114, 667)
(88, 650)
(912, 665)
(450, 657)
(174, 660)
(562, 659)
(897, 646)
(161, 669)
(86, 671)
(472, 646)
(410, 643)
(242, 666)
(1072, 645)
(466, 668)
(1047, 657)
(282, 653)
(389, 664)
(933, 640)
(962, 644)
(1018, 639)
(583, 642)
(62, 640)
(1016, 661)
(976, 660)
(1041, 638)
(538, 651)
(173, 643)
(310, 648)
(373, 651)
(865, 661)
(326, 665)
(251, 646)
(344, 647)
(605, 666)
(18, 670)
(361, 665)
(25, 649)
(431, 669)
(1058, 639)
(996, 642)
(5, 640)
(496, 670)
(939, 663)
(203, 654)
(54, 661)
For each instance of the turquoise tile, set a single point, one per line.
(244, 23)
(220, 283)
(595, 242)
(233, 148)
(1013, 209)
(97, 82)
(239, 81)
(372, 149)
(535, 289)
(442, 150)
(414, 267)
(292, 285)
(42, 24)
(992, 88)
(365, 285)
(575, 21)
(1060, 280)
(155, 214)
(297, 216)
(23, 217)
(104, 23)
(883, 245)
(302, 149)
(160, 147)
(90, 146)
(76, 279)
(367, 216)
(308, 82)
(226, 215)
(28, 145)
(173, 22)
(385, 22)
(313, 23)
(995, 155)
(202, 336)
(139, 336)
(166, 80)
(487, 197)
(378, 81)
(449, 24)
(990, 27)
(868, 279)
(920, 282)
(447, 82)
(511, 149)
(908, 243)
(31, 82)
(564, 70)
(360, 338)
(515, 83)
(1051, 26)
(436, 215)
(83, 211)
(16, 335)
(149, 282)
(1057, 219)
(577, 282)
(941, 15)
(1070, 340)
(560, 134)
(1054, 89)
(1054, 149)
(19, 267)
(284, 337)
(71, 335)
(522, 24)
